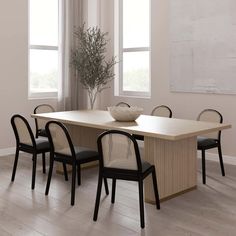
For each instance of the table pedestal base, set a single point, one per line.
(175, 163)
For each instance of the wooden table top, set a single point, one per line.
(151, 126)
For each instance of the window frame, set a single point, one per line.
(120, 50)
(42, 95)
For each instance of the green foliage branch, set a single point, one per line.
(89, 60)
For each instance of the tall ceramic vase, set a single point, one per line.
(92, 94)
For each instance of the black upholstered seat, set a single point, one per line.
(203, 142)
(145, 166)
(41, 132)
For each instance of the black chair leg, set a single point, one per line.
(79, 174)
(15, 165)
(106, 186)
(203, 167)
(221, 161)
(44, 162)
(65, 171)
(49, 176)
(141, 204)
(99, 188)
(155, 188)
(34, 170)
(73, 184)
(113, 190)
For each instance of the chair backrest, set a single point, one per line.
(42, 108)
(59, 139)
(122, 104)
(162, 110)
(119, 150)
(23, 132)
(211, 115)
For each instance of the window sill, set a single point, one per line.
(131, 94)
(43, 95)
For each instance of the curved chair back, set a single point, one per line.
(211, 115)
(22, 130)
(59, 138)
(39, 123)
(119, 150)
(122, 104)
(162, 110)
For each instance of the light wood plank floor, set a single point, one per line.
(209, 210)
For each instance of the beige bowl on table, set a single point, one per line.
(120, 113)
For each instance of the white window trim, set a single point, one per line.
(119, 50)
(44, 47)
(40, 95)
(140, 49)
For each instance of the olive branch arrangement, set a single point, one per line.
(89, 60)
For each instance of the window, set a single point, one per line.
(43, 48)
(132, 45)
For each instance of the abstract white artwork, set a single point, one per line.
(203, 46)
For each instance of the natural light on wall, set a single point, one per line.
(132, 39)
(43, 48)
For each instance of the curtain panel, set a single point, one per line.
(71, 17)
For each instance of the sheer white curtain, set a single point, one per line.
(68, 86)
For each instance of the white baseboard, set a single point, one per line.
(214, 157)
(209, 156)
(7, 151)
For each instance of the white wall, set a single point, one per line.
(184, 105)
(14, 68)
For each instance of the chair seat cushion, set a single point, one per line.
(204, 143)
(128, 172)
(85, 154)
(138, 137)
(42, 143)
(145, 165)
(42, 132)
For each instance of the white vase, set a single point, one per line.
(93, 100)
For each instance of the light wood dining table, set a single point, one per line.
(170, 144)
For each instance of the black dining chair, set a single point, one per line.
(39, 123)
(122, 104)
(162, 111)
(209, 141)
(62, 150)
(26, 142)
(120, 159)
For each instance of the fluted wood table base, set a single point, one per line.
(176, 166)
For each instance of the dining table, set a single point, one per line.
(169, 143)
